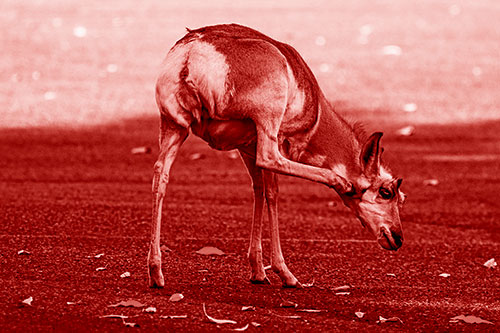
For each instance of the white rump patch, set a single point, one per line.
(208, 72)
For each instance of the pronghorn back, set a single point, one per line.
(226, 72)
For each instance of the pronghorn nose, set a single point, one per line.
(398, 238)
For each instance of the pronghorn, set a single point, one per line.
(236, 88)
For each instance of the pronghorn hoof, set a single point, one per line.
(294, 284)
(156, 279)
(258, 281)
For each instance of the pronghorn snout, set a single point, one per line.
(390, 239)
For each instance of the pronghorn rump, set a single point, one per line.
(238, 89)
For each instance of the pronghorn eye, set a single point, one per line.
(385, 193)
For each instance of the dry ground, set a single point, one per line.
(69, 194)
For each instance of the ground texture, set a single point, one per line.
(68, 195)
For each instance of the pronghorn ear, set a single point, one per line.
(370, 154)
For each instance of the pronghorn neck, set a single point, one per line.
(335, 144)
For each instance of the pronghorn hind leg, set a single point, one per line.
(171, 138)
(258, 275)
(277, 261)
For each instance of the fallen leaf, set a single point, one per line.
(342, 288)
(129, 324)
(288, 317)
(360, 314)
(391, 274)
(255, 324)
(176, 297)
(491, 263)
(140, 150)
(97, 256)
(174, 317)
(288, 304)
(444, 275)
(248, 308)
(129, 303)
(244, 328)
(308, 285)
(125, 275)
(470, 320)
(23, 252)
(100, 269)
(267, 268)
(114, 316)
(406, 131)
(431, 182)
(410, 107)
(217, 321)
(391, 319)
(392, 50)
(27, 301)
(165, 248)
(150, 309)
(73, 303)
(343, 293)
(311, 310)
(210, 250)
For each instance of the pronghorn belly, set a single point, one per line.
(226, 134)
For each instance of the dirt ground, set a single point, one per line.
(68, 195)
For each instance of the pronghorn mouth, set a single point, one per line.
(387, 242)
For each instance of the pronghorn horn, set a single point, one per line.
(370, 155)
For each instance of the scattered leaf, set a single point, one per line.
(174, 317)
(311, 310)
(129, 324)
(165, 248)
(391, 274)
(114, 316)
(196, 156)
(210, 250)
(360, 314)
(129, 303)
(431, 182)
(217, 321)
(97, 256)
(27, 301)
(203, 270)
(125, 275)
(150, 309)
(342, 288)
(248, 308)
(267, 268)
(343, 293)
(470, 320)
(176, 297)
(444, 275)
(288, 304)
(255, 324)
(288, 317)
(308, 285)
(391, 319)
(100, 269)
(491, 263)
(23, 252)
(73, 303)
(410, 107)
(140, 150)
(80, 31)
(244, 328)
(392, 50)
(406, 131)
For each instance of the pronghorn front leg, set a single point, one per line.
(269, 157)
(171, 138)
(277, 261)
(255, 249)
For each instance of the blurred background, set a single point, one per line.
(74, 63)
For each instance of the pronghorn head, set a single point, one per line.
(375, 197)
